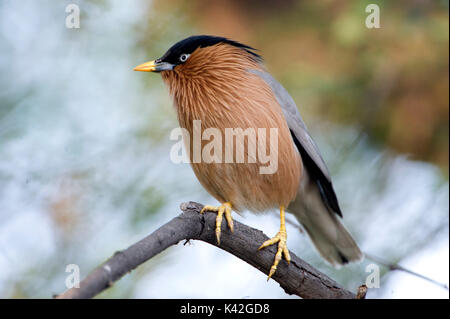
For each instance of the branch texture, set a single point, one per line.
(297, 278)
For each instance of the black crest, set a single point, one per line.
(189, 45)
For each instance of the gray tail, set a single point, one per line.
(329, 236)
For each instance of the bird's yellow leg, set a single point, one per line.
(225, 208)
(281, 239)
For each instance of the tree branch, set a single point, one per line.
(297, 278)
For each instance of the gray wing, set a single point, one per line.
(308, 149)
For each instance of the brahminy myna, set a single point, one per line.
(224, 84)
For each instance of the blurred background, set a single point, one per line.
(84, 140)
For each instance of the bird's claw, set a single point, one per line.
(225, 208)
(281, 239)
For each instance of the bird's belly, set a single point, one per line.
(245, 187)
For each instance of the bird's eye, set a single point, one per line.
(184, 57)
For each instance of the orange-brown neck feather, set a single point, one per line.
(211, 76)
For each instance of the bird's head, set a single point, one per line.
(199, 54)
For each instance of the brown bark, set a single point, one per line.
(297, 278)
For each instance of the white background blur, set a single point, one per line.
(85, 170)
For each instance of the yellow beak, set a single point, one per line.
(146, 67)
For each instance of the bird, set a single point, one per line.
(224, 84)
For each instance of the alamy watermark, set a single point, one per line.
(373, 279)
(373, 19)
(73, 17)
(73, 279)
(262, 146)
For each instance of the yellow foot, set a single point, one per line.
(224, 208)
(281, 239)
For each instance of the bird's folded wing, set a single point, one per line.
(308, 149)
